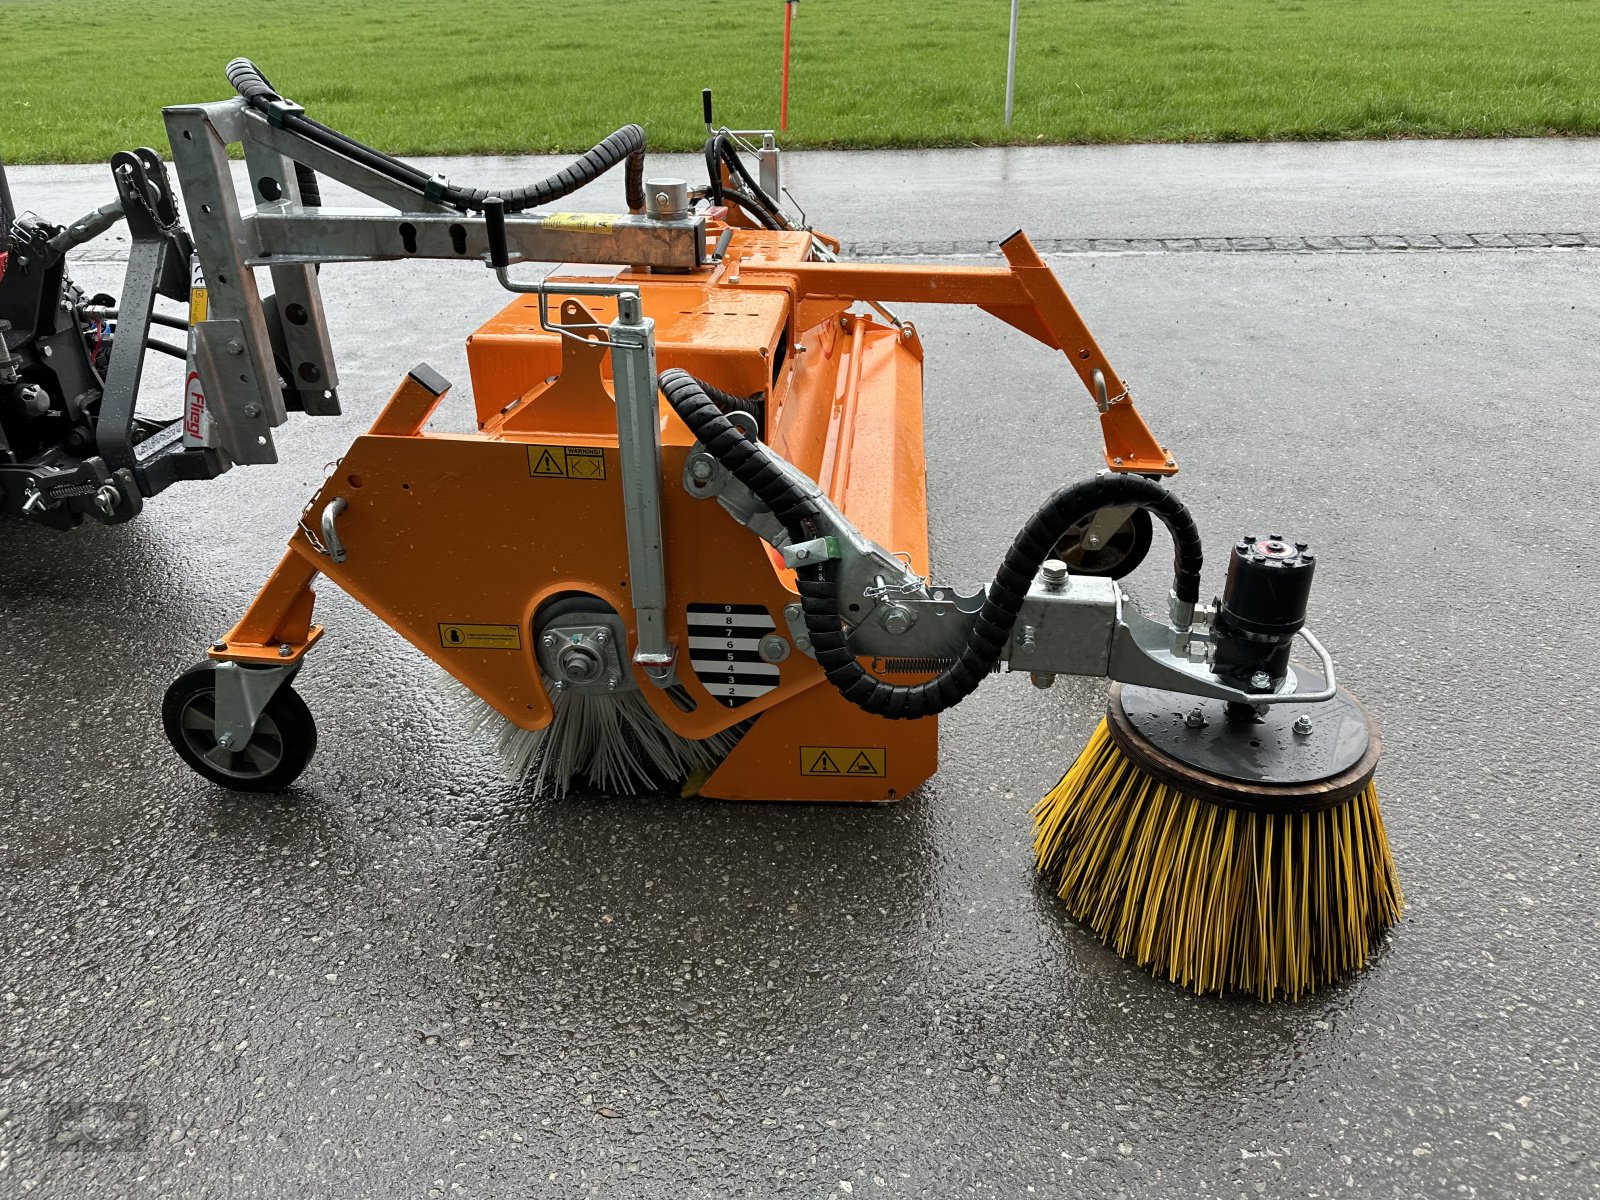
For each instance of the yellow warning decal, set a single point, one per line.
(567, 462)
(198, 304)
(580, 222)
(859, 761)
(456, 636)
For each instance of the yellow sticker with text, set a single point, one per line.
(843, 761)
(458, 636)
(566, 462)
(580, 222)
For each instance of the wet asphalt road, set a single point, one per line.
(409, 978)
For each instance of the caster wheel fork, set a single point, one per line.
(241, 727)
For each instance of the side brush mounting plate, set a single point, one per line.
(1289, 746)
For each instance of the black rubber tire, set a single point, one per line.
(282, 745)
(1120, 556)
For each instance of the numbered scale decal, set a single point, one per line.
(725, 651)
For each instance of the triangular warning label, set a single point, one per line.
(546, 464)
(862, 765)
(824, 765)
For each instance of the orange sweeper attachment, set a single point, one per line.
(700, 438)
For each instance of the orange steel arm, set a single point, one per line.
(1025, 294)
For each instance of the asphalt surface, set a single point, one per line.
(411, 978)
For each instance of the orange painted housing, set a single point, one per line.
(456, 540)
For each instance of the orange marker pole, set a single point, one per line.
(788, 23)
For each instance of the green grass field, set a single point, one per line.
(79, 81)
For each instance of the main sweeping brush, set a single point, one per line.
(601, 730)
(1230, 847)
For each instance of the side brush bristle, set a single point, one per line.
(1215, 898)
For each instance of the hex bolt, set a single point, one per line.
(252, 410)
(611, 683)
(802, 554)
(549, 641)
(1042, 679)
(235, 346)
(285, 650)
(225, 740)
(1260, 681)
(773, 648)
(700, 468)
(803, 644)
(1025, 643)
(1196, 719)
(1055, 574)
(791, 612)
(219, 645)
(601, 636)
(1302, 725)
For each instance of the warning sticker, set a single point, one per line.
(567, 462)
(843, 760)
(580, 222)
(455, 636)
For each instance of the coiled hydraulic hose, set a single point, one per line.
(819, 585)
(626, 143)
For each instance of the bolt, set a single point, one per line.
(252, 410)
(1055, 574)
(612, 682)
(285, 650)
(224, 740)
(700, 468)
(773, 648)
(235, 346)
(1196, 719)
(1093, 541)
(1302, 725)
(47, 351)
(906, 333)
(107, 499)
(601, 637)
(1042, 679)
(803, 644)
(1025, 642)
(549, 641)
(219, 645)
(791, 612)
(896, 619)
(558, 686)
(1117, 461)
(802, 554)
(1261, 681)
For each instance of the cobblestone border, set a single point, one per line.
(1310, 244)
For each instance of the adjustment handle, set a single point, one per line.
(705, 106)
(494, 224)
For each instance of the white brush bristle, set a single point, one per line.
(615, 741)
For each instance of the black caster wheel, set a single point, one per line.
(285, 737)
(1119, 555)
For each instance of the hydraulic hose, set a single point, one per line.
(626, 143)
(819, 585)
(762, 208)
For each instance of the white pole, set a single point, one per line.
(1011, 63)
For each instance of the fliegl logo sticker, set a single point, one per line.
(194, 409)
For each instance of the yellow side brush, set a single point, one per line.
(1272, 882)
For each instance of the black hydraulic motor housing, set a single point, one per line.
(1263, 606)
